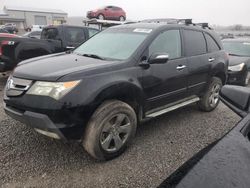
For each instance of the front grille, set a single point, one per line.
(16, 86)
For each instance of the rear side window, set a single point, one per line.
(167, 42)
(50, 33)
(212, 46)
(195, 43)
(74, 35)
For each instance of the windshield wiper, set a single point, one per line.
(93, 56)
(234, 55)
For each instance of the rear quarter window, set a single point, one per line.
(195, 43)
(212, 45)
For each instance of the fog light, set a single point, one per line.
(49, 134)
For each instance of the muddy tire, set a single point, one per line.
(110, 130)
(210, 99)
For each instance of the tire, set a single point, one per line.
(122, 18)
(110, 130)
(210, 99)
(101, 17)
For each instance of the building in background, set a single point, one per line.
(25, 17)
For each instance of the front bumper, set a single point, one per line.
(46, 125)
(238, 78)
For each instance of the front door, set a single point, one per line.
(165, 83)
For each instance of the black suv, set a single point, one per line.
(99, 92)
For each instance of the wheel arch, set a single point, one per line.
(126, 92)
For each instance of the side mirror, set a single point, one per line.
(237, 98)
(158, 58)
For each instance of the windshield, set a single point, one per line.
(237, 48)
(114, 44)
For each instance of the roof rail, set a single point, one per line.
(168, 21)
(177, 21)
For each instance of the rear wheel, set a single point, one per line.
(211, 99)
(110, 130)
(122, 18)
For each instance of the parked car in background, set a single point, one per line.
(11, 28)
(99, 92)
(239, 60)
(33, 34)
(54, 39)
(3, 30)
(108, 13)
(35, 28)
(226, 162)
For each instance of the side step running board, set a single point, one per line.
(171, 108)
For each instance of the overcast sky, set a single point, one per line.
(222, 12)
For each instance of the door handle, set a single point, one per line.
(181, 67)
(211, 59)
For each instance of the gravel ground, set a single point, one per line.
(28, 159)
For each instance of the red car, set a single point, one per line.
(108, 13)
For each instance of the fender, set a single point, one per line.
(220, 70)
(121, 90)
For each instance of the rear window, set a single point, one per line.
(195, 43)
(74, 35)
(50, 33)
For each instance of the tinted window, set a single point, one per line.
(195, 43)
(167, 42)
(211, 44)
(92, 32)
(74, 35)
(50, 33)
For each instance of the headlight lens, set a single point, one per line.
(236, 67)
(55, 90)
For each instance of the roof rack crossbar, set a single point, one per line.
(204, 25)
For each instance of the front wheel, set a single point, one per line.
(210, 99)
(110, 130)
(101, 17)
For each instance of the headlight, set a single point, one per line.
(236, 67)
(55, 90)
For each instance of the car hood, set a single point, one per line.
(235, 60)
(53, 67)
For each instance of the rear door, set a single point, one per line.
(198, 62)
(165, 83)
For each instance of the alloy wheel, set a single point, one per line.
(214, 96)
(115, 132)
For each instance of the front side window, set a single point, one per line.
(167, 42)
(237, 48)
(195, 43)
(117, 44)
